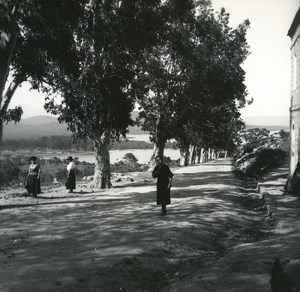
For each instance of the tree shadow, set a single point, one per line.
(85, 241)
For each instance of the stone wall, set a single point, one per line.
(294, 33)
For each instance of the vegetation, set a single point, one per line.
(61, 143)
(258, 151)
(33, 35)
(98, 95)
(178, 59)
(66, 143)
(195, 81)
(14, 169)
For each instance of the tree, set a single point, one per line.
(33, 35)
(99, 93)
(164, 76)
(202, 97)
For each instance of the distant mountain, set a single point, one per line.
(267, 120)
(271, 123)
(270, 128)
(39, 126)
(35, 127)
(36, 120)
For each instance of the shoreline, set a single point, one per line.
(143, 155)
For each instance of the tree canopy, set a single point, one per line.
(98, 95)
(178, 59)
(33, 36)
(195, 82)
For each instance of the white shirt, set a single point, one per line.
(70, 166)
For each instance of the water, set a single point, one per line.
(143, 155)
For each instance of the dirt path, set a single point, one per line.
(116, 240)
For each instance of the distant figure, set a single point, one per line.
(33, 185)
(164, 179)
(71, 180)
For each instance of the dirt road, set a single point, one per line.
(116, 240)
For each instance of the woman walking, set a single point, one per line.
(33, 178)
(164, 179)
(71, 179)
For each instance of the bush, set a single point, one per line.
(9, 172)
(61, 174)
(46, 178)
(266, 160)
(260, 151)
(130, 158)
(128, 164)
(87, 169)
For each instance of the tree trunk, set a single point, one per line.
(205, 155)
(159, 144)
(102, 166)
(1, 132)
(8, 39)
(208, 154)
(198, 155)
(202, 153)
(6, 101)
(192, 155)
(158, 150)
(213, 154)
(184, 156)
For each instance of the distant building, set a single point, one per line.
(294, 34)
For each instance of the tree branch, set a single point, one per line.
(9, 93)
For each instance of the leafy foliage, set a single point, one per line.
(97, 94)
(195, 83)
(9, 171)
(34, 35)
(259, 151)
(66, 143)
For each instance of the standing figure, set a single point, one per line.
(164, 179)
(71, 180)
(33, 178)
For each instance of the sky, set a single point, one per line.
(267, 67)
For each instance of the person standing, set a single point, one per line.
(164, 179)
(71, 179)
(33, 178)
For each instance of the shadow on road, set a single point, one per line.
(78, 244)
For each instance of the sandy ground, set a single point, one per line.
(116, 239)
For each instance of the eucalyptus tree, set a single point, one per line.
(98, 94)
(33, 34)
(164, 75)
(205, 105)
(215, 89)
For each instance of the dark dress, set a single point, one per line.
(163, 174)
(33, 182)
(71, 179)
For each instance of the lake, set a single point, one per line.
(143, 155)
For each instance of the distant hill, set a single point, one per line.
(267, 120)
(39, 126)
(271, 123)
(270, 128)
(35, 127)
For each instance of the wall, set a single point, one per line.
(295, 96)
